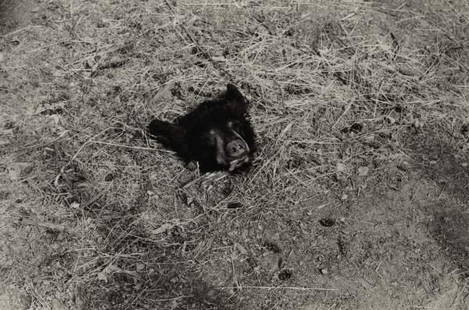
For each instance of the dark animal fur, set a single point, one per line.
(191, 135)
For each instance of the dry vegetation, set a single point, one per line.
(358, 196)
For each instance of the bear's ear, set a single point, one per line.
(235, 100)
(168, 134)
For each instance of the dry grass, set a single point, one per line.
(97, 216)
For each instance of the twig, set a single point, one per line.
(50, 226)
(293, 288)
(20, 30)
(28, 147)
(124, 146)
(342, 115)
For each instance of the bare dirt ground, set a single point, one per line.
(358, 198)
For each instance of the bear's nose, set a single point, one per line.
(236, 148)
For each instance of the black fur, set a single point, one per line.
(213, 134)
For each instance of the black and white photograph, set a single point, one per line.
(234, 155)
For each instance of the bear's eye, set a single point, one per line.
(212, 137)
(235, 125)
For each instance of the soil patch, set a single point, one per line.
(15, 14)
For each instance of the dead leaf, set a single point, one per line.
(102, 276)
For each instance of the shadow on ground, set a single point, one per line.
(439, 157)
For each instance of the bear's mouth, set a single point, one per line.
(236, 149)
(233, 153)
(237, 153)
(236, 163)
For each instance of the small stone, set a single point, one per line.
(363, 171)
(102, 276)
(340, 167)
(234, 205)
(327, 222)
(109, 177)
(356, 128)
(324, 271)
(219, 58)
(285, 274)
(390, 120)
